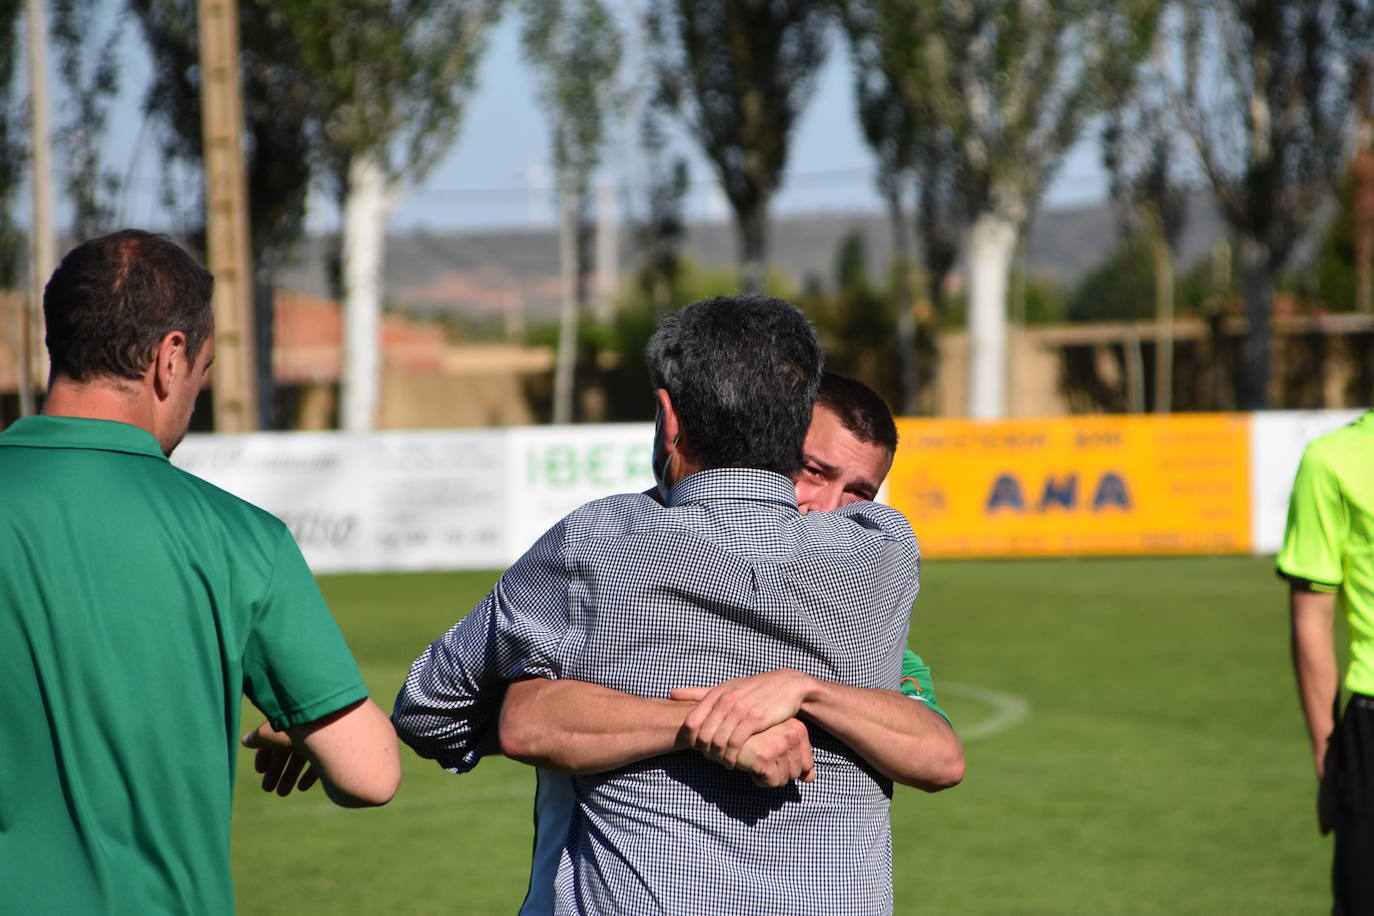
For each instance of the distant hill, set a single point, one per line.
(489, 273)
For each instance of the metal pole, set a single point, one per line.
(226, 217)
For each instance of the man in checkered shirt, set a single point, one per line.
(726, 580)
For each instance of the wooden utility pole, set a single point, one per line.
(42, 244)
(226, 217)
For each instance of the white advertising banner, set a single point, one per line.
(439, 500)
(370, 502)
(555, 469)
(1277, 440)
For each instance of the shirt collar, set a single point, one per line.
(734, 483)
(81, 432)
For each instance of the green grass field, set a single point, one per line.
(1161, 766)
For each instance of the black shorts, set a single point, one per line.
(1352, 754)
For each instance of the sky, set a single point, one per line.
(496, 174)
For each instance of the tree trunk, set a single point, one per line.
(991, 246)
(1164, 322)
(566, 360)
(607, 253)
(1362, 172)
(1257, 281)
(753, 250)
(907, 357)
(365, 210)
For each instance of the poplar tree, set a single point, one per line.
(1006, 86)
(1266, 93)
(739, 73)
(575, 49)
(88, 66)
(361, 95)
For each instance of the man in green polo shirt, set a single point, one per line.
(137, 605)
(1328, 550)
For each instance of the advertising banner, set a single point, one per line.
(1278, 438)
(1076, 485)
(554, 469)
(1187, 483)
(370, 502)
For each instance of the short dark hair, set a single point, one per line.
(112, 299)
(859, 408)
(742, 373)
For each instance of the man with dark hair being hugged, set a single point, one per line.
(137, 605)
(725, 579)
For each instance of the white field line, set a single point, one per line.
(1009, 709)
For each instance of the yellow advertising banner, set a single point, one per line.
(1076, 485)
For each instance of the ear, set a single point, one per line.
(169, 363)
(672, 426)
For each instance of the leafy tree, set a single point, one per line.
(914, 152)
(739, 73)
(663, 229)
(1342, 264)
(90, 73)
(1119, 288)
(360, 93)
(277, 108)
(1266, 96)
(856, 324)
(575, 49)
(888, 129)
(389, 80)
(1138, 150)
(1010, 85)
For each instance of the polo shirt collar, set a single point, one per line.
(81, 432)
(734, 483)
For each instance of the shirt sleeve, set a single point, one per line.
(449, 705)
(1315, 535)
(917, 683)
(296, 666)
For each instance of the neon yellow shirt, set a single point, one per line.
(1329, 540)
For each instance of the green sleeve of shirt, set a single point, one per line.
(297, 667)
(917, 683)
(1315, 536)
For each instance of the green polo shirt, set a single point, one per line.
(1329, 541)
(917, 683)
(138, 604)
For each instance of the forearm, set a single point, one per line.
(899, 736)
(586, 728)
(1314, 663)
(355, 753)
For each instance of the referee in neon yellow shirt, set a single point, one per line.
(1328, 550)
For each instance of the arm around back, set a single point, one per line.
(579, 727)
(900, 737)
(352, 751)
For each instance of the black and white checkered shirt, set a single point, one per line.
(727, 580)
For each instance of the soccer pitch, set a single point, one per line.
(1133, 739)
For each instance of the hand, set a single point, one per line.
(283, 767)
(729, 714)
(1327, 798)
(776, 756)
